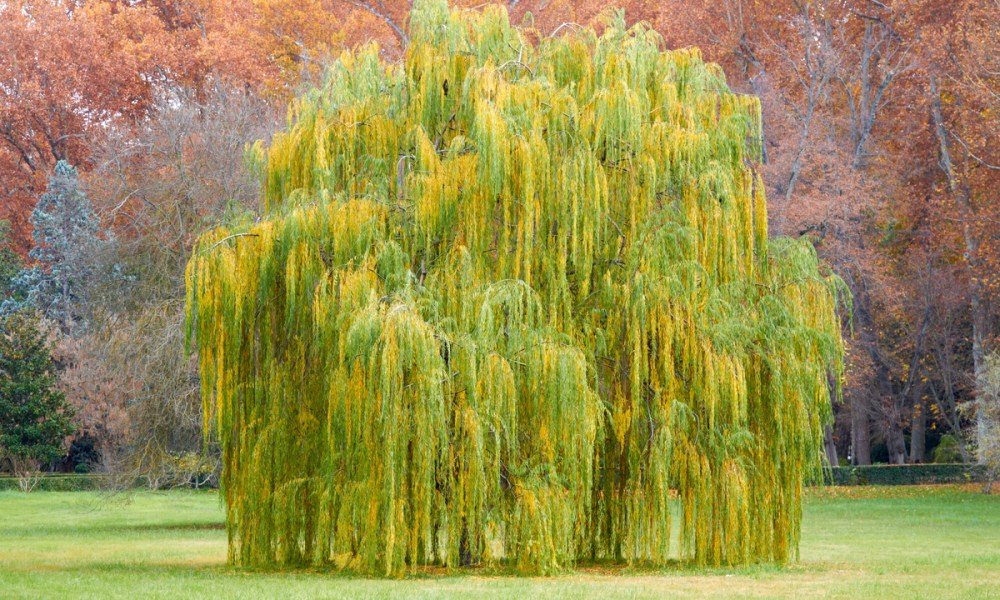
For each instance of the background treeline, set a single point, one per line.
(124, 128)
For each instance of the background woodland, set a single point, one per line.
(881, 126)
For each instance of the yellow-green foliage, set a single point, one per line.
(511, 298)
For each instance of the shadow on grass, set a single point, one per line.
(427, 573)
(139, 529)
(153, 527)
(595, 569)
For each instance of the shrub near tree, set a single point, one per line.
(510, 297)
(35, 419)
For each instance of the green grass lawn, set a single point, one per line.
(913, 542)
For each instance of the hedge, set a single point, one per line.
(861, 475)
(58, 482)
(78, 482)
(905, 474)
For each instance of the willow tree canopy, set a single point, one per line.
(513, 302)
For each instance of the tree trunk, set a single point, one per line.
(863, 403)
(831, 447)
(918, 434)
(896, 443)
(861, 436)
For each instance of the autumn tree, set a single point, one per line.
(845, 125)
(963, 98)
(159, 188)
(92, 83)
(73, 70)
(504, 301)
(65, 73)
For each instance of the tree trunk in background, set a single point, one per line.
(861, 435)
(896, 443)
(918, 434)
(831, 448)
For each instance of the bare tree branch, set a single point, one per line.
(380, 12)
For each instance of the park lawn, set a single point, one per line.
(877, 542)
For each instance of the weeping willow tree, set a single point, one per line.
(513, 302)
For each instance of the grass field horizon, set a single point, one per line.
(861, 542)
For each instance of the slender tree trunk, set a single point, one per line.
(862, 404)
(918, 434)
(896, 443)
(861, 435)
(918, 417)
(831, 447)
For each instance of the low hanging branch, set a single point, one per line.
(229, 237)
(578, 318)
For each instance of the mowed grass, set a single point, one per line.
(905, 542)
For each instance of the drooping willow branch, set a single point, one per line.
(576, 328)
